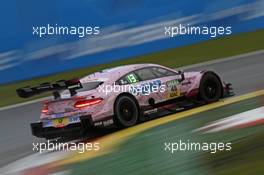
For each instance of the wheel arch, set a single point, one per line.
(129, 95)
(133, 98)
(217, 76)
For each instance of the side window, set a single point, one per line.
(128, 79)
(161, 72)
(131, 78)
(145, 74)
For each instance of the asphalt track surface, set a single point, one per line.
(245, 73)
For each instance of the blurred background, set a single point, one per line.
(127, 28)
(131, 31)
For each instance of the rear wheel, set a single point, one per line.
(126, 111)
(210, 88)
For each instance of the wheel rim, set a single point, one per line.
(127, 110)
(210, 89)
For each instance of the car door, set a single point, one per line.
(169, 83)
(154, 83)
(172, 82)
(144, 84)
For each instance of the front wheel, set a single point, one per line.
(126, 111)
(210, 88)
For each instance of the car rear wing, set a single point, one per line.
(72, 85)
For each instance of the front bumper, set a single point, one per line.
(50, 132)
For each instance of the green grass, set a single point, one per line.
(205, 51)
(246, 157)
(144, 153)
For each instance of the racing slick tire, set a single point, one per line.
(210, 89)
(126, 111)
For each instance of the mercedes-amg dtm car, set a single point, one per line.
(121, 96)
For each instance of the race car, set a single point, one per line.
(121, 96)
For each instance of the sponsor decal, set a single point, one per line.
(151, 111)
(173, 91)
(60, 122)
(104, 123)
(98, 123)
(148, 88)
(108, 122)
(132, 78)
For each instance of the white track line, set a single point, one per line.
(237, 120)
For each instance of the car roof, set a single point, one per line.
(113, 74)
(127, 68)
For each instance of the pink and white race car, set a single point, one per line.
(121, 96)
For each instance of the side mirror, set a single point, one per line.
(182, 76)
